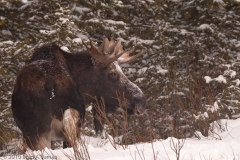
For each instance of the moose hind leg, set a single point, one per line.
(38, 142)
(43, 141)
(71, 128)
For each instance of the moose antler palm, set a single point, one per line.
(110, 51)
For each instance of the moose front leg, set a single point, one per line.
(98, 122)
(98, 126)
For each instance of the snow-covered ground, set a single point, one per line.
(221, 145)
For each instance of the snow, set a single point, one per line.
(89, 108)
(46, 32)
(220, 78)
(93, 20)
(215, 107)
(208, 79)
(142, 70)
(205, 27)
(141, 41)
(238, 42)
(219, 2)
(162, 71)
(220, 145)
(81, 10)
(52, 94)
(230, 73)
(27, 3)
(6, 32)
(64, 20)
(151, 1)
(119, 3)
(77, 40)
(65, 48)
(185, 32)
(114, 22)
(107, 21)
(237, 81)
(201, 116)
(82, 36)
(6, 43)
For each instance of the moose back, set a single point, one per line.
(55, 84)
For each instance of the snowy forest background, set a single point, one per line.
(190, 72)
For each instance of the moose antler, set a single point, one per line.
(125, 58)
(110, 51)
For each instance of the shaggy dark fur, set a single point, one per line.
(55, 80)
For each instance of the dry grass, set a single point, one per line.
(73, 136)
(122, 129)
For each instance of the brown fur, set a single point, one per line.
(55, 80)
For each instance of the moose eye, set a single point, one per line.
(113, 76)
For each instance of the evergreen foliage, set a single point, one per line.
(190, 73)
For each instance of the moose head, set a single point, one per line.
(107, 59)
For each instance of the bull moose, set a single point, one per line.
(54, 83)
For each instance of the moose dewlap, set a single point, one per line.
(53, 87)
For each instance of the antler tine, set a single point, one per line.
(114, 48)
(105, 45)
(104, 53)
(117, 48)
(92, 50)
(110, 51)
(125, 58)
(85, 45)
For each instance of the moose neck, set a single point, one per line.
(82, 71)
